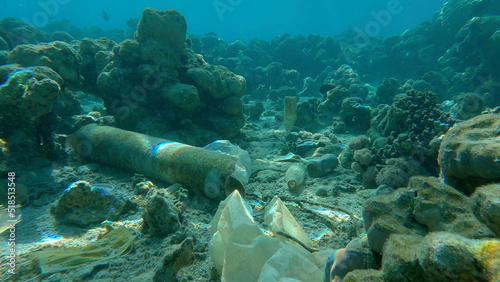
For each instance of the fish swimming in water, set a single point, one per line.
(105, 16)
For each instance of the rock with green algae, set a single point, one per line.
(25, 97)
(83, 204)
(469, 155)
(94, 55)
(38, 72)
(172, 33)
(439, 256)
(143, 78)
(426, 205)
(161, 35)
(486, 206)
(450, 257)
(57, 55)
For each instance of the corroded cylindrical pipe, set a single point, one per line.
(294, 176)
(199, 169)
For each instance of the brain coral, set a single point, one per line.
(469, 155)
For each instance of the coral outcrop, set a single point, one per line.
(469, 155)
(158, 75)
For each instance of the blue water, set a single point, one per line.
(238, 19)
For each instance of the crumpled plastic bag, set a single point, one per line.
(113, 244)
(279, 219)
(242, 252)
(243, 168)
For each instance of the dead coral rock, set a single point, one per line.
(363, 156)
(182, 96)
(450, 257)
(439, 256)
(162, 216)
(92, 64)
(400, 260)
(82, 204)
(398, 171)
(469, 155)
(486, 207)
(25, 97)
(59, 56)
(426, 205)
(169, 26)
(217, 81)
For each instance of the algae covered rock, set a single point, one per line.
(23, 96)
(161, 35)
(182, 96)
(217, 81)
(59, 56)
(172, 31)
(83, 204)
(469, 155)
(426, 205)
(486, 206)
(450, 257)
(162, 216)
(158, 75)
(468, 106)
(439, 256)
(92, 54)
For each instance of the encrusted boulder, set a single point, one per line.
(486, 206)
(469, 155)
(83, 204)
(59, 56)
(172, 31)
(426, 205)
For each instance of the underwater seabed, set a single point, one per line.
(366, 168)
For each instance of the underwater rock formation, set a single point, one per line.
(439, 256)
(15, 32)
(162, 216)
(486, 200)
(355, 115)
(157, 75)
(467, 106)
(424, 206)
(59, 56)
(388, 89)
(28, 121)
(470, 152)
(409, 126)
(422, 229)
(83, 204)
(93, 55)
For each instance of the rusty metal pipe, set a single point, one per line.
(196, 168)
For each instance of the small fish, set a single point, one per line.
(105, 16)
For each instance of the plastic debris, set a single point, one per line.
(112, 245)
(242, 252)
(214, 174)
(8, 220)
(295, 176)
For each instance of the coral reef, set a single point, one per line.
(171, 79)
(161, 217)
(409, 127)
(469, 153)
(486, 206)
(407, 228)
(83, 204)
(59, 56)
(28, 121)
